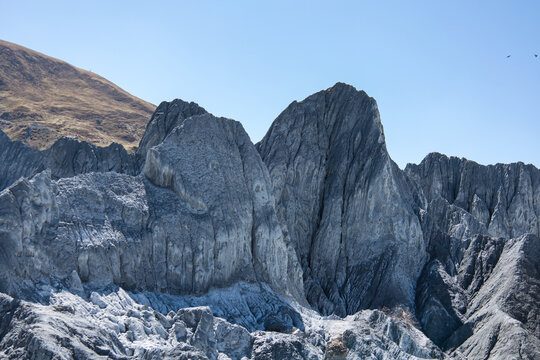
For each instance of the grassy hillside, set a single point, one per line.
(42, 99)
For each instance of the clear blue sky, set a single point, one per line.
(438, 69)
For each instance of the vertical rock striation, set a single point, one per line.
(201, 216)
(110, 254)
(217, 174)
(503, 198)
(474, 219)
(65, 158)
(345, 204)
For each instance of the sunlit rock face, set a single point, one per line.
(504, 198)
(345, 204)
(215, 172)
(312, 244)
(167, 116)
(200, 215)
(112, 323)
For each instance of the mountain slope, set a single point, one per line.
(199, 216)
(43, 99)
(479, 294)
(193, 248)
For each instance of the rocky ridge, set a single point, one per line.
(482, 280)
(196, 246)
(65, 158)
(112, 227)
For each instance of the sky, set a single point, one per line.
(438, 69)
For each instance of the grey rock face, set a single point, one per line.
(470, 214)
(504, 313)
(65, 158)
(504, 198)
(115, 324)
(210, 220)
(69, 157)
(17, 160)
(486, 307)
(167, 116)
(396, 336)
(214, 169)
(202, 246)
(346, 206)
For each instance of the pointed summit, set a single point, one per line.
(167, 116)
(344, 202)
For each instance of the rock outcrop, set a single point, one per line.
(312, 244)
(202, 215)
(478, 221)
(216, 172)
(167, 116)
(115, 324)
(66, 157)
(345, 204)
(69, 157)
(504, 198)
(17, 160)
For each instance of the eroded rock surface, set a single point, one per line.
(312, 245)
(345, 204)
(201, 215)
(66, 157)
(167, 116)
(110, 323)
(481, 226)
(503, 198)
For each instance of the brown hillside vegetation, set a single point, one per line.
(43, 99)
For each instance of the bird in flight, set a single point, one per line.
(535, 55)
(508, 56)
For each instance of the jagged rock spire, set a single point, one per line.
(344, 203)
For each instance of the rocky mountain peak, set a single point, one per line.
(334, 110)
(311, 244)
(339, 195)
(167, 116)
(341, 87)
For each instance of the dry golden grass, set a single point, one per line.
(42, 99)
(336, 349)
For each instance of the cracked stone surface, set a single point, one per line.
(345, 204)
(312, 244)
(201, 215)
(66, 157)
